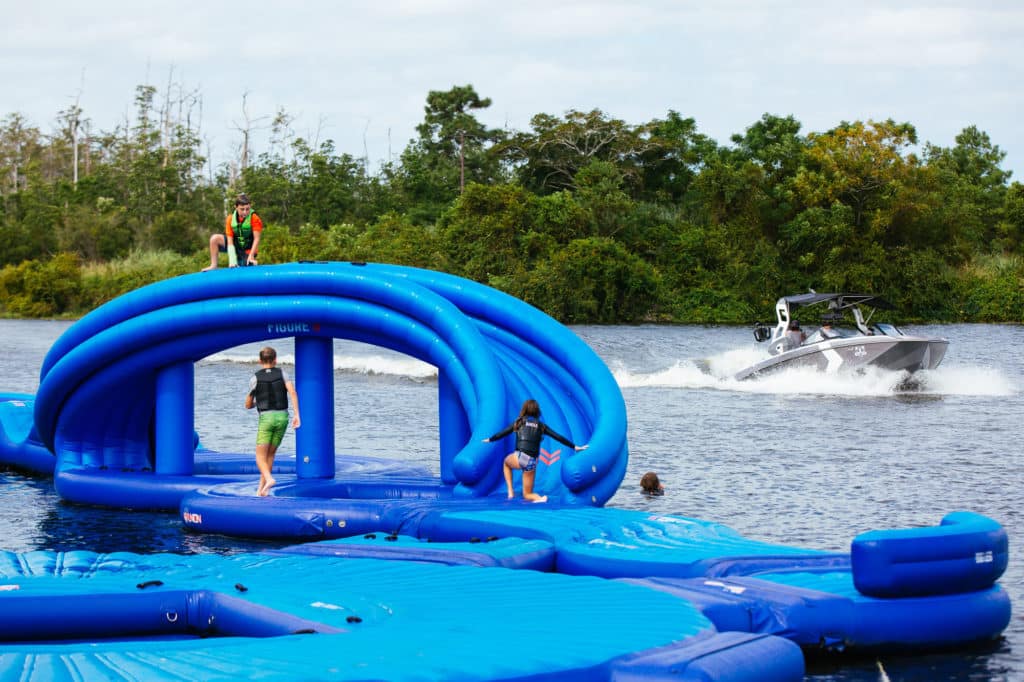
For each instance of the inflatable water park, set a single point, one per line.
(398, 573)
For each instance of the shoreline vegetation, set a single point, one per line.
(592, 219)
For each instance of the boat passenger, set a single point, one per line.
(827, 332)
(529, 431)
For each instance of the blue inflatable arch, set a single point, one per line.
(116, 390)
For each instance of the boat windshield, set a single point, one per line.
(834, 333)
(888, 329)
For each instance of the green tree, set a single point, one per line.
(452, 150)
(593, 280)
(672, 158)
(480, 235)
(1011, 228)
(973, 188)
(396, 239)
(599, 192)
(549, 158)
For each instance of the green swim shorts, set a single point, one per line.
(271, 428)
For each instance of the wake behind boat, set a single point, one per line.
(846, 339)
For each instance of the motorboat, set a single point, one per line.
(846, 339)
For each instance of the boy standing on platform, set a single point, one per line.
(269, 391)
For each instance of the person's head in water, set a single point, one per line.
(650, 484)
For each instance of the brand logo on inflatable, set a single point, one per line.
(292, 328)
(192, 518)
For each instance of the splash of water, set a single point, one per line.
(717, 372)
(371, 365)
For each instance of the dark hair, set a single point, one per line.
(267, 355)
(530, 408)
(650, 483)
(242, 200)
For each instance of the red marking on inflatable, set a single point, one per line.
(191, 517)
(316, 326)
(549, 458)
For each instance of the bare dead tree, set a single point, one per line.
(74, 121)
(165, 120)
(247, 130)
(281, 133)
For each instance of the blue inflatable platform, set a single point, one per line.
(491, 351)
(294, 616)
(434, 570)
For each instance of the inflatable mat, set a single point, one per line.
(810, 597)
(80, 615)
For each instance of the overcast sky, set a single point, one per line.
(359, 72)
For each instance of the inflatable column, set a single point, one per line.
(175, 419)
(314, 383)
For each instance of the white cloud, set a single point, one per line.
(359, 72)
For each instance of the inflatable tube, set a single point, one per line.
(729, 657)
(821, 610)
(966, 552)
(152, 614)
(595, 466)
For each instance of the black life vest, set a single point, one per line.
(528, 437)
(270, 392)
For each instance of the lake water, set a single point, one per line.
(798, 458)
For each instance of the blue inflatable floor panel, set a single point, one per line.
(535, 555)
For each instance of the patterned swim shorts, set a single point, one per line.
(526, 463)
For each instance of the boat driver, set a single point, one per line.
(795, 333)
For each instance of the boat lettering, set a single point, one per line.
(288, 327)
(859, 351)
(983, 557)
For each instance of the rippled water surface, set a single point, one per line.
(798, 458)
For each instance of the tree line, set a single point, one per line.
(586, 216)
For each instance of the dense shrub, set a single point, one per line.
(41, 289)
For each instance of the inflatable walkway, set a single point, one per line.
(288, 616)
(135, 355)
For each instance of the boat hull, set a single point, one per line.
(906, 354)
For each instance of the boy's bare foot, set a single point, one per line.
(271, 483)
(542, 498)
(208, 268)
(511, 495)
